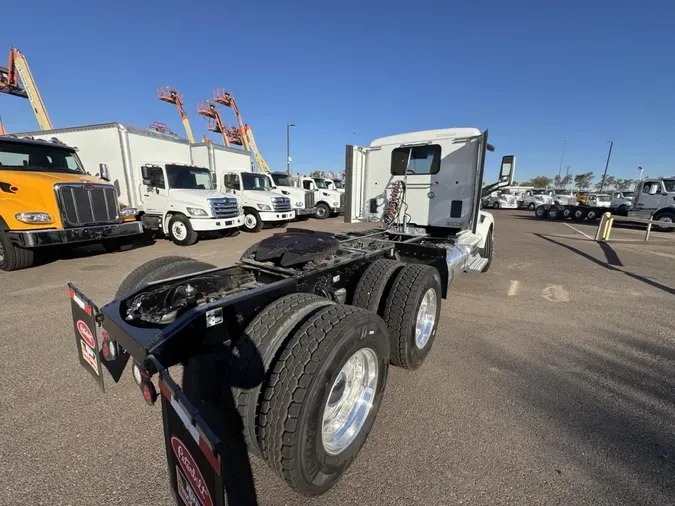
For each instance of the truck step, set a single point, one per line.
(475, 264)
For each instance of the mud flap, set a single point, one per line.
(84, 325)
(91, 337)
(193, 452)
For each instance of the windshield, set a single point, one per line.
(182, 177)
(38, 158)
(538, 192)
(255, 181)
(320, 183)
(282, 180)
(670, 185)
(562, 192)
(340, 185)
(628, 194)
(603, 198)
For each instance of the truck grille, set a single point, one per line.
(87, 204)
(224, 208)
(281, 204)
(309, 200)
(342, 200)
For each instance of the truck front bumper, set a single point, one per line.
(274, 216)
(212, 224)
(306, 211)
(37, 238)
(337, 210)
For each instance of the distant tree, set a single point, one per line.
(566, 180)
(610, 181)
(541, 182)
(317, 173)
(623, 185)
(515, 183)
(583, 181)
(557, 180)
(527, 183)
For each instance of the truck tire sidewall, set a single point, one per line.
(666, 217)
(554, 212)
(13, 257)
(541, 212)
(252, 221)
(322, 211)
(567, 212)
(531, 206)
(181, 231)
(495, 205)
(356, 338)
(487, 250)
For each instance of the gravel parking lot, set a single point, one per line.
(551, 382)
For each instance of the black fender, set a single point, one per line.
(3, 224)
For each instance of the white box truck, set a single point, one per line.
(232, 168)
(153, 172)
(328, 202)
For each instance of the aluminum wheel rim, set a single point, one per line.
(349, 401)
(250, 221)
(321, 211)
(426, 318)
(179, 230)
(664, 219)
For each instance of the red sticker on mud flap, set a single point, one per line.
(86, 334)
(192, 472)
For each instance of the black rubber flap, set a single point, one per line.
(296, 246)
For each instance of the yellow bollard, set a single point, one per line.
(610, 224)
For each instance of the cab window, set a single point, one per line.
(307, 185)
(647, 186)
(231, 181)
(156, 175)
(418, 160)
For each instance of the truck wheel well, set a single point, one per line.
(440, 265)
(3, 225)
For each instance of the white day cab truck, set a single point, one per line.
(302, 200)
(296, 338)
(328, 202)
(154, 173)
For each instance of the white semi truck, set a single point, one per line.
(154, 173)
(302, 200)
(328, 202)
(298, 336)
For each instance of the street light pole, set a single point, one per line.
(567, 172)
(604, 176)
(288, 147)
(562, 158)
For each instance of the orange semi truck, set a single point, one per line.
(48, 199)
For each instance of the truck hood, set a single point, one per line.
(17, 177)
(293, 192)
(332, 194)
(263, 196)
(197, 195)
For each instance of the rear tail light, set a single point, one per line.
(149, 392)
(138, 374)
(109, 347)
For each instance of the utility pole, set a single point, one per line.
(562, 158)
(604, 176)
(288, 147)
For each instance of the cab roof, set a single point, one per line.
(427, 135)
(34, 142)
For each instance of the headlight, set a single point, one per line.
(128, 211)
(336, 204)
(33, 217)
(195, 211)
(264, 207)
(326, 194)
(298, 204)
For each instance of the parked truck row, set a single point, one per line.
(654, 198)
(146, 182)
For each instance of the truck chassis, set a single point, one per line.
(275, 330)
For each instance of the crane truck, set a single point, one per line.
(297, 337)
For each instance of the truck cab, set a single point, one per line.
(260, 202)
(622, 200)
(500, 200)
(599, 200)
(328, 202)
(302, 200)
(334, 184)
(181, 200)
(537, 197)
(655, 198)
(48, 199)
(564, 197)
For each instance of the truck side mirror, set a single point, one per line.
(507, 170)
(145, 175)
(103, 172)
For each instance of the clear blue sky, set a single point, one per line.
(532, 72)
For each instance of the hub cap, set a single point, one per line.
(250, 221)
(179, 230)
(664, 219)
(349, 402)
(321, 211)
(426, 318)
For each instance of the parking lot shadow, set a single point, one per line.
(607, 403)
(611, 263)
